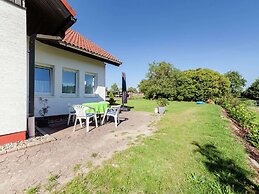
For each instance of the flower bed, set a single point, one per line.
(245, 118)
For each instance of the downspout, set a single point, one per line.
(31, 118)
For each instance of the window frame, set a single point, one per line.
(77, 82)
(52, 78)
(95, 83)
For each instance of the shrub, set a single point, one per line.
(253, 91)
(253, 137)
(162, 102)
(201, 84)
(245, 118)
(111, 99)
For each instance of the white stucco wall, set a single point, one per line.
(59, 59)
(13, 69)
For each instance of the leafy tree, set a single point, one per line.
(253, 91)
(132, 90)
(201, 84)
(160, 81)
(115, 88)
(237, 82)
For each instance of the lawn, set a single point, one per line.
(193, 151)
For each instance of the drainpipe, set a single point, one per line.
(31, 118)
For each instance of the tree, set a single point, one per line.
(132, 90)
(237, 82)
(253, 91)
(160, 81)
(201, 84)
(115, 88)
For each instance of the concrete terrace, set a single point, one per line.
(31, 167)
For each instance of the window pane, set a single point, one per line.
(69, 82)
(89, 84)
(42, 80)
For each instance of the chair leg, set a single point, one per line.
(68, 121)
(96, 122)
(116, 121)
(87, 124)
(81, 123)
(103, 119)
(75, 125)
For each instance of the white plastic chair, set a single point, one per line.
(71, 113)
(81, 114)
(114, 112)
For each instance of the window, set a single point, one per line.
(89, 83)
(69, 82)
(43, 80)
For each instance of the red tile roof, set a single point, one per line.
(75, 40)
(69, 8)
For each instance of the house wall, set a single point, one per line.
(13, 112)
(58, 59)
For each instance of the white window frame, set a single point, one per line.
(52, 79)
(95, 84)
(76, 94)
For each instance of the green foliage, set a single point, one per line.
(160, 81)
(245, 117)
(201, 84)
(77, 168)
(133, 90)
(52, 182)
(94, 155)
(253, 91)
(237, 82)
(112, 101)
(247, 102)
(33, 190)
(162, 102)
(115, 89)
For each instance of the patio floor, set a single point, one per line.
(32, 166)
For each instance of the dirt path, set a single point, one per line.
(32, 167)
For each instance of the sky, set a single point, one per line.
(217, 34)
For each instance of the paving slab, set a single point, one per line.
(32, 166)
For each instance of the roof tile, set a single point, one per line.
(75, 39)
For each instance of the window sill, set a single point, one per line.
(69, 96)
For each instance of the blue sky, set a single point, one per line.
(217, 34)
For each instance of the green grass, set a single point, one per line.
(32, 190)
(52, 182)
(193, 151)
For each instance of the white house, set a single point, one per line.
(41, 57)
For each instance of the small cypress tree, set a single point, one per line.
(111, 98)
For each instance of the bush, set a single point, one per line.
(253, 91)
(111, 99)
(162, 102)
(201, 85)
(245, 118)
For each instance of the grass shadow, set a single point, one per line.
(227, 171)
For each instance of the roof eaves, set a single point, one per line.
(69, 8)
(114, 62)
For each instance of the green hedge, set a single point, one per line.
(245, 118)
